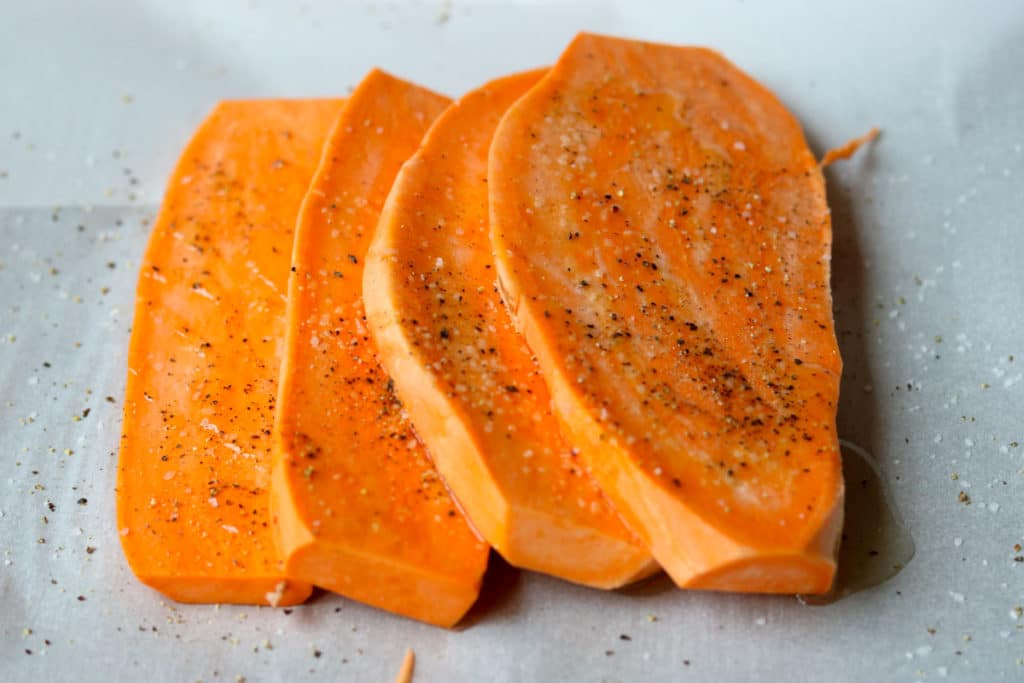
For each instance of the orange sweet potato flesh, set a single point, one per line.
(359, 507)
(662, 236)
(465, 375)
(194, 469)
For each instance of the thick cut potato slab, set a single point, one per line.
(194, 469)
(464, 372)
(662, 237)
(359, 508)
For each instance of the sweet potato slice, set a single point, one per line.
(359, 507)
(194, 469)
(465, 374)
(662, 236)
